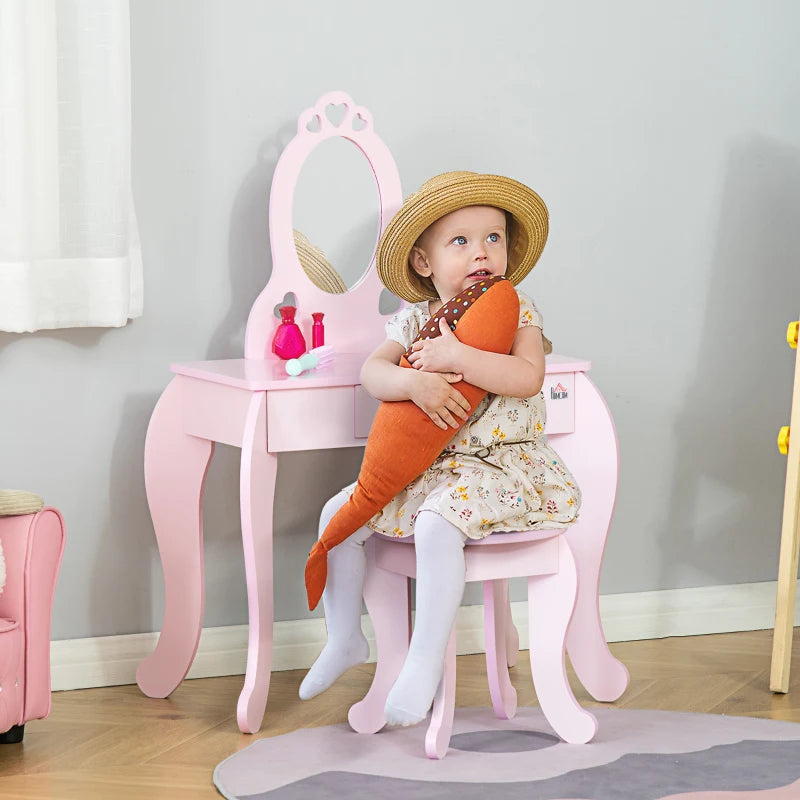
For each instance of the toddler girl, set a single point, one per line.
(497, 473)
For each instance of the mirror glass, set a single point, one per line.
(335, 215)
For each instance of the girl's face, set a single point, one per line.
(461, 248)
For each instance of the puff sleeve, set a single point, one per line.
(528, 313)
(404, 326)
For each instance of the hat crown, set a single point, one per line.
(442, 179)
(437, 183)
(448, 192)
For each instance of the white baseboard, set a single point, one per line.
(112, 660)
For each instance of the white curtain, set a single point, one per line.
(69, 245)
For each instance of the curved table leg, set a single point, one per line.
(594, 460)
(601, 673)
(175, 467)
(551, 599)
(387, 596)
(256, 494)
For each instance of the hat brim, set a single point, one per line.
(318, 269)
(422, 209)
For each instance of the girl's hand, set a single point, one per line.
(441, 354)
(432, 392)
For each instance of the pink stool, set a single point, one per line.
(563, 570)
(545, 558)
(32, 545)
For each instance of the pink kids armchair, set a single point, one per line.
(31, 544)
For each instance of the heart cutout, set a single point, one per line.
(359, 123)
(314, 124)
(289, 299)
(335, 113)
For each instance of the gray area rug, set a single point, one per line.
(636, 755)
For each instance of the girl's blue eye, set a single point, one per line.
(493, 237)
(460, 240)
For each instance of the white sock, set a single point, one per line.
(439, 549)
(346, 646)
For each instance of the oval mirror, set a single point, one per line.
(335, 215)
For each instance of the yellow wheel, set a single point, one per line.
(791, 334)
(783, 439)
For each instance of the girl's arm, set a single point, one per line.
(384, 378)
(520, 374)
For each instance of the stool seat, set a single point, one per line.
(545, 558)
(493, 540)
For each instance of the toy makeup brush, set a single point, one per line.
(318, 357)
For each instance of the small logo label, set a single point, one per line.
(558, 392)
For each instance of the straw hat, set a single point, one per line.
(317, 267)
(14, 503)
(448, 192)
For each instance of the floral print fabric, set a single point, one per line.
(498, 473)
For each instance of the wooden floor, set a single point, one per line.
(116, 743)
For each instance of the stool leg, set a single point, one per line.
(388, 599)
(495, 613)
(437, 737)
(551, 599)
(512, 635)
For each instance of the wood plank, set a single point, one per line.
(790, 543)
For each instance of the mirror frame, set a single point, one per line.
(361, 301)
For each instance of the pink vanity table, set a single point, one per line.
(251, 403)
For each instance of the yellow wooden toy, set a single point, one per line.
(790, 536)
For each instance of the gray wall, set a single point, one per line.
(665, 139)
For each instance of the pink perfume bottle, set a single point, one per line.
(288, 341)
(317, 330)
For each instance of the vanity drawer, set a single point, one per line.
(319, 418)
(341, 416)
(311, 419)
(559, 393)
(559, 398)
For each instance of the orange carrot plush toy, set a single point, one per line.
(403, 441)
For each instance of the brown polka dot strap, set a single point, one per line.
(454, 309)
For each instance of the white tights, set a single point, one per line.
(439, 548)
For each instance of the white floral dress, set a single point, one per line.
(497, 473)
